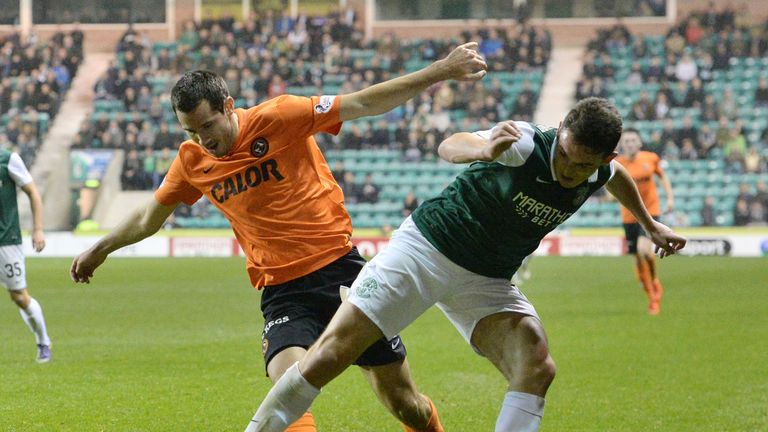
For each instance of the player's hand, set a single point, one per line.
(503, 135)
(464, 63)
(670, 205)
(38, 240)
(84, 265)
(665, 240)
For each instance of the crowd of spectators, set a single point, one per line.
(34, 75)
(271, 54)
(694, 51)
(751, 208)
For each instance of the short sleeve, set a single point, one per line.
(518, 152)
(18, 171)
(307, 116)
(175, 188)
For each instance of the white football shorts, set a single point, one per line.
(12, 270)
(410, 275)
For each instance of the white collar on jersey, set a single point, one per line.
(552, 158)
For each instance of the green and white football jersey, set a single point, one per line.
(495, 214)
(13, 173)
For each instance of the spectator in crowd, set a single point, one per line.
(686, 69)
(757, 215)
(688, 150)
(728, 106)
(410, 203)
(695, 96)
(708, 214)
(753, 160)
(741, 215)
(369, 191)
(352, 191)
(707, 141)
(661, 106)
(761, 93)
(744, 193)
(133, 171)
(162, 165)
(710, 111)
(735, 148)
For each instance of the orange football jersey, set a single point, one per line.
(642, 168)
(274, 187)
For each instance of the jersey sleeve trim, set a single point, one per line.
(18, 170)
(518, 153)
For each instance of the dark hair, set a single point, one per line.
(596, 124)
(197, 86)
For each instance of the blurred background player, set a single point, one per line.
(642, 166)
(13, 274)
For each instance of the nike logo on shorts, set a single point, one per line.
(541, 180)
(394, 343)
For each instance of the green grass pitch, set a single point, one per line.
(174, 345)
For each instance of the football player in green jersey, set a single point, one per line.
(13, 272)
(460, 249)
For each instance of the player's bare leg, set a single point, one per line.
(395, 389)
(517, 345)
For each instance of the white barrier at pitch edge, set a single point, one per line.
(66, 244)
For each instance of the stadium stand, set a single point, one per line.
(260, 59)
(34, 76)
(706, 117)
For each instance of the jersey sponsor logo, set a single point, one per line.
(249, 178)
(366, 287)
(259, 147)
(537, 212)
(325, 104)
(275, 322)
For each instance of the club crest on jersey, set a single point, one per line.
(325, 104)
(583, 193)
(259, 147)
(366, 287)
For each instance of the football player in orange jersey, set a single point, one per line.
(262, 168)
(642, 166)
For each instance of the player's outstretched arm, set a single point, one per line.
(38, 238)
(466, 147)
(624, 189)
(667, 185)
(463, 63)
(140, 224)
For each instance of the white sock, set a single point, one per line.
(33, 318)
(288, 400)
(520, 412)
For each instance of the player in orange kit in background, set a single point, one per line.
(642, 166)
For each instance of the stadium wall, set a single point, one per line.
(565, 32)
